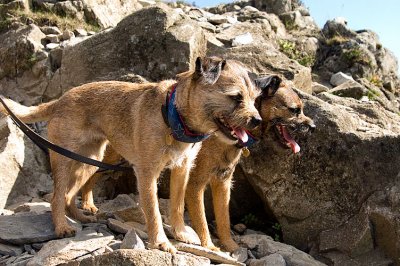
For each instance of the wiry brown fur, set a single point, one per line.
(128, 116)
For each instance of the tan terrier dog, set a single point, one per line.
(129, 117)
(282, 112)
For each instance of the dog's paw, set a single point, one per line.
(90, 208)
(229, 245)
(186, 234)
(211, 246)
(65, 231)
(164, 246)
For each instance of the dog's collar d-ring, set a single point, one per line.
(179, 130)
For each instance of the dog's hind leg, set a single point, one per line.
(81, 174)
(87, 194)
(195, 203)
(221, 193)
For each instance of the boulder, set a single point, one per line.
(109, 13)
(20, 51)
(274, 6)
(337, 27)
(351, 89)
(18, 152)
(154, 42)
(127, 257)
(353, 153)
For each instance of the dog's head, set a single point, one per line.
(222, 99)
(282, 112)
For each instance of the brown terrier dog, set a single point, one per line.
(282, 112)
(128, 116)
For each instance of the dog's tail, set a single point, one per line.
(30, 114)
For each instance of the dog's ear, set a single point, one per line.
(268, 84)
(209, 69)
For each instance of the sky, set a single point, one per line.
(383, 17)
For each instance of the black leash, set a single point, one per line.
(45, 145)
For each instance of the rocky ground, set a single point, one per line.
(338, 201)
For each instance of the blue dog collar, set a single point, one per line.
(174, 120)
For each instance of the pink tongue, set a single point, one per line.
(293, 144)
(241, 134)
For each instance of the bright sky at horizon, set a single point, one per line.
(382, 17)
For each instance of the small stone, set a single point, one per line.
(80, 32)
(37, 246)
(318, 88)
(132, 241)
(240, 228)
(215, 256)
(340, 78)
(118, 226)
(50, 30)
(218, 19)
(51, 46)
(67, 34)
(53, 38)
(242, 39)
(115, 244)
(91, 33)
(240, 254)
(146, 3)
(350, 89)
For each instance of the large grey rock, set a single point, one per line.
(353, 153)
(263, 246)
(274, 6)
(64, 250)
(154, 42)
(20, 51)
(26, 228)
(337, 27)
(109, 12)
(128, 257)
(351, 89)
(18, 152)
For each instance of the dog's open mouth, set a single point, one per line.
(286, 139)
(231, 132)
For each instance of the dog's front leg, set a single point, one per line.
(178, 182)
(221, 193)
(147, 186)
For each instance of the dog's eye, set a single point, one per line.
(295, 110)
(237, 98)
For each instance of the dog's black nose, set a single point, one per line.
(255, 121)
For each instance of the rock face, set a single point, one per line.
(338, 200)
(16, 153)
(139, 43)
(347, 168)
